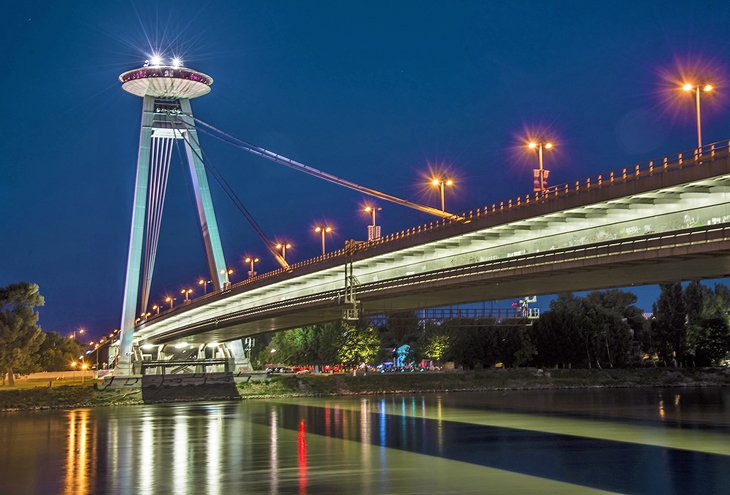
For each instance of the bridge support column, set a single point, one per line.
(240, 351)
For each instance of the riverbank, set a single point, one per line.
(70, 397)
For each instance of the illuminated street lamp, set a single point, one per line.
(204, 283)
(441, 183)
(171, 300)
(323, 230)
(541, 173)
(186, 293)
(698, 88)
(251, 260)
(228, 271)
(156, 307)
(283, 246)
(80, 331)
(373, 230)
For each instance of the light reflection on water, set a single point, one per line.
(454, 443)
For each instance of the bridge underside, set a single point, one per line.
(692, 254)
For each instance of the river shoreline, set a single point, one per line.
(284, 386)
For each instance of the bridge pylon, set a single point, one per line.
(166, 91)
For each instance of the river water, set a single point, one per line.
(580, 441)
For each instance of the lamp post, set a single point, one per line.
(441, 183)
(373, 230)
(539, 146)
(186, 293)
(698, 88)
(204, 283)
(323, 229)
(171, 300)
(157, 309)
(229, 271)
(283, 246)
(251, 260)
(80, 332)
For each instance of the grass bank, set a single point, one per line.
(505, 379)
(85, 395)
(64, 397)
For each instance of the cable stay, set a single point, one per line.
(159, 170)
(293, 164)
(231, 194)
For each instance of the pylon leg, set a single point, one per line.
(136, 239)
(208, 223)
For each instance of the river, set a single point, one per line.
(578, 441)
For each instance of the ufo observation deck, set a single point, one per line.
(166, 82)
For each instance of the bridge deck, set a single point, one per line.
(489, 255)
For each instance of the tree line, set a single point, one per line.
(689, 327)
(24, 346)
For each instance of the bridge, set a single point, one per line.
(664, 220)
(660, 221)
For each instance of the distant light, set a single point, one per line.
(155, 60)
(548, 146)
(328, 229)
(176, 62)
(435, 182)
(688, 87)
(707, 88)
(449, 182)
(532, 145)
(368, 208)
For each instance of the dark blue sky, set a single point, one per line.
(373, 92)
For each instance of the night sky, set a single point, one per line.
(375, 92)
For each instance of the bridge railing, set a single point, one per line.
(668, 164)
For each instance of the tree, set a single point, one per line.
(20, 335)
(360, 344)
(434, 343)
(56, 352)
(669, 328)
(709, 341)
(402, 328)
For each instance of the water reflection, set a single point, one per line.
(80, 463)
(424, 444)
(180, 455)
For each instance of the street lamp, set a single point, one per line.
(80, 332)
(540, 174)
(171, 300)
(157, 309)
(229, 271)
(186, 293)
(441, 183)
(283, 246)
(204, 283)
(373, 230)
(698, 88)
(251, 260)
(323, 230)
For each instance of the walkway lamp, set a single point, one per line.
(251, 260)
(205, 283)
(698, 89)
(323, 230)
(283, 246)
(541, 174)
(373, 230)
(171, 301)
(156, 308)
(186, 293)
(441, 183)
